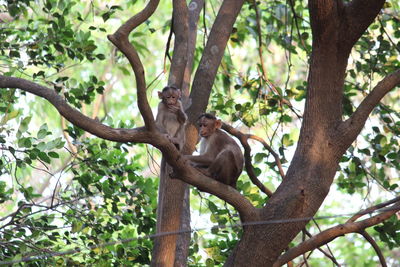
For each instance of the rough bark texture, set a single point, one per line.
(183, 242)
(319, 149)
(171, 191)
(212, 56)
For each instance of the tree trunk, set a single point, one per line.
(321, 143)
(299, 196)
(170, 204)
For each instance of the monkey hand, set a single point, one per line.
(174, 108)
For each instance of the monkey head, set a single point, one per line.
(170, 96)
(208, 124)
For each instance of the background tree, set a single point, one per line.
(97, 195)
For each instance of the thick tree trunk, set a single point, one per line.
(166, 253)
(170, 203)
(299, 196)
(320, 146)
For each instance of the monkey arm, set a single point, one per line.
(203, 160)
(182, 117)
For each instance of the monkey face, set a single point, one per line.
(206, 127)
(170, 97)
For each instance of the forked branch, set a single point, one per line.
(121, 41)
(330, 234)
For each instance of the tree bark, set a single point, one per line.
(183, 242)
(319, 149)
(171, 192)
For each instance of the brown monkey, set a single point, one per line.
(220, 156)
(171, 118)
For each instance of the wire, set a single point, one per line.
(152, 236)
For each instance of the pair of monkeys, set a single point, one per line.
(220, 156)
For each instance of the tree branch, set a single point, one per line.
(180, 28)
(375, 246)
(121, 41)
(243, 138)
(373, 208)
(359, 15)
(195, 8)
(350, 128)
(137, 135)
(185, 172)
(329, 256)
(334, 232)
(212, 56)
(74, 116)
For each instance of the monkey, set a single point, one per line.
(171, 118)
(220, 156)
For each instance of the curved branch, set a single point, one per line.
(334, 232)
(375, 246)
(274, 154)
(350, 128)
(121, 41)
(373, 208)
(74, 116)
(329, 256)
(173, 157)
(225, 192)
(247, 157)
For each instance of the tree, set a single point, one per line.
(328, 126)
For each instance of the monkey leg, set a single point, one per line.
(224, 168)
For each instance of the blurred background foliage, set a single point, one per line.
(65, 191)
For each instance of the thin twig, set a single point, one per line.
(243, 138)
(375, 246)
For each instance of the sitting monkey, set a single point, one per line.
(171, 117)
(220, 156)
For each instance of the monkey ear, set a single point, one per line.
(218, 124)
(160, 95)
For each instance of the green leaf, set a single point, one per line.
(43, 156)
(53, 154)
(259, 157)
(43, 131)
